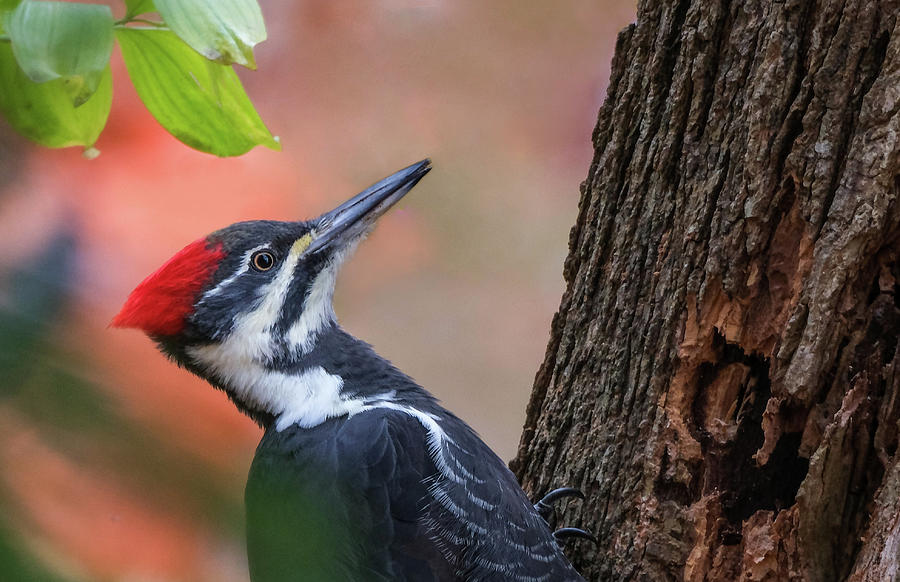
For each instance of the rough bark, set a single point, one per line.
(723, 375)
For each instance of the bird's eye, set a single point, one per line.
(262, 260)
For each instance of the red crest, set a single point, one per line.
(162, 301)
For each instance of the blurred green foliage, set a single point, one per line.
(55, 87)
(51, 391)
(16, 564)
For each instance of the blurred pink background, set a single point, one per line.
(457, 286)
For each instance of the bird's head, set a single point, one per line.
(256, 292)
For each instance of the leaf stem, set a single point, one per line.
(123, 22)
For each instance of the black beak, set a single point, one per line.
(357, 216)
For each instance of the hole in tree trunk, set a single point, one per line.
(735, 390)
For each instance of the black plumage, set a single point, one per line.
(371, 498)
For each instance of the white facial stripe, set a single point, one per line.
(245, 265)
(250, 339)
(252, 330)
(255, 326)
(318, 311)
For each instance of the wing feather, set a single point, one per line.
(387, 494)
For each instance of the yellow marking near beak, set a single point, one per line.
(300, 245)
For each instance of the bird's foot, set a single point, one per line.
(546, 510)
(566, 533)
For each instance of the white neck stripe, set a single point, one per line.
(317, 313)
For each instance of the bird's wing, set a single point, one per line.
(479, 515)
(342, 502)
(391, 473)
(388, 494)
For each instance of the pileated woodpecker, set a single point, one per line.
(361, 475)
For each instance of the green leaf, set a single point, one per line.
(224, 31)
(135, 7)
(44, 112)
(201, 103)
(8, 4)
(63, 40)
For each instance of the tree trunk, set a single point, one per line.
(723, 375)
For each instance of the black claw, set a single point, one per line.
(561, 493)
(565, 533)
(544, 507)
